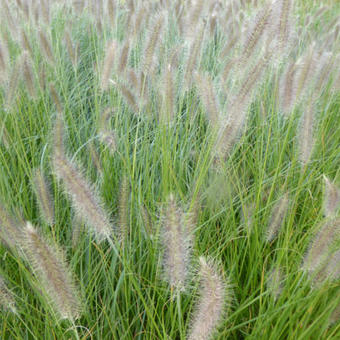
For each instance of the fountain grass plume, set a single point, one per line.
(256, 32)
(305, 134)
(215, 295)
(168, 94)
(320, 247)
(84, 197)
(287, 89)
(154, 39)
(46, 47)
(193, 57)
(108, 64)
(177, 245)
(51, 271)
(44, 196)
(331, 198)
(209, 98)
(284, 27)
(28, 75)
(10, 228)
(277, 218)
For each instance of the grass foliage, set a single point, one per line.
(169, 169)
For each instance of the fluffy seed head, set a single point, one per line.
(278, 215)
(150, 49)
(214, 297)
(177, 245)
(320, 247)
(108, 64)
(208, 97)
(9, 228)
(84, 198)
(28, 75)
(50, 269)
(331, 198)
(257, 31)
(44, 197)
(46, 47)
(274, 282)
(305, 134)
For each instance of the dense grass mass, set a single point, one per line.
(169, 169)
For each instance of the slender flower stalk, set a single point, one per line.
(51, 270)
(214, 297)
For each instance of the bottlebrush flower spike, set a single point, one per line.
(274, 282)
(177, 244)
(305, 134)
(331, 198)
(320, 247)
(214, 297)
(50, 269)
(84, 198)
(44, 196)
(278, 215)
(108, 64)
(9, 228)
